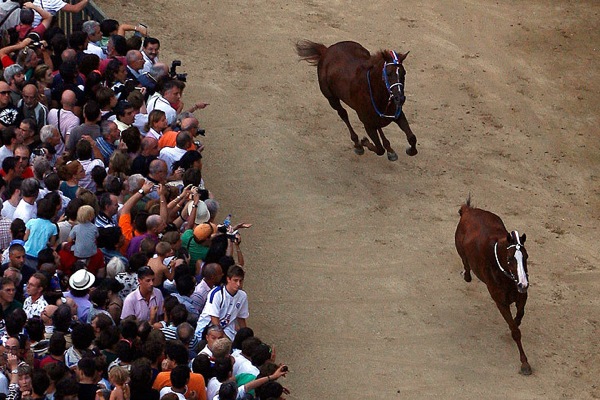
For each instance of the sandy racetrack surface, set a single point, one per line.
(352, 270)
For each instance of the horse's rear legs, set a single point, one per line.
(336, 105)
(410, 137)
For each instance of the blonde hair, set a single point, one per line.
(163, 248)
(118, 375)
(154, 116)
(85, 214)
(221, 347)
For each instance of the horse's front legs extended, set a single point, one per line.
(410, 137)
(516, 335)
(376, 146)
(391, 154)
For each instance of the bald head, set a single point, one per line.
(149, 146)
(68, 55)
(30, 95)
(68, 98)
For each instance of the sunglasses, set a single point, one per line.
(21, 158)
(5, 92)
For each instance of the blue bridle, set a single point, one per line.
(388, 86)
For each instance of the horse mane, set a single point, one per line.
(380, 57)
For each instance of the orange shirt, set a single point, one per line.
(196, 383)
(168, 140)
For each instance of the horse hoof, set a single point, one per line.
(359, 151)
(392, 156)
(411, 151)
(525, 369)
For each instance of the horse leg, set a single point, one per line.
(376, 146)
(336, 105)
(467, 271)
(516, 335)
(410, 137)
(391, 154)
(520, 303)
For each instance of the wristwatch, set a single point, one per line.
(141, 191)
(194, 205)
(14, 371)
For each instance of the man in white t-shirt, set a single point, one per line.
(172, 154)
(226, 306)
(27, 209)
(54, 6)
(94, 34)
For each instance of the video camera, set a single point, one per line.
(173, 71)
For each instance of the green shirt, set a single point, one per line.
(196, 250)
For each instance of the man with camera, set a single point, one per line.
(169, 100)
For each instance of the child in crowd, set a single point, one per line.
(84, 234)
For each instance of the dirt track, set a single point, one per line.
(352, 270)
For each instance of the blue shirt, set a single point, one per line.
(40, 232)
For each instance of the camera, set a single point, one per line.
(173, 71)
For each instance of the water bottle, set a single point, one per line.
(227, 221)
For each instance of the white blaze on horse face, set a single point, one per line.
(523, 283)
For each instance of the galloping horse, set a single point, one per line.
(499, 259)
(373, 85)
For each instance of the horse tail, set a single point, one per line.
(465, 206)
(310, 52)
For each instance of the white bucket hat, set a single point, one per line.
(202, 213)
(81, 280)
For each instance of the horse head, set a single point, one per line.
(393, 76)
(516, 260)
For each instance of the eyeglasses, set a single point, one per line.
(5, 92)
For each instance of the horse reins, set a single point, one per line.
(388, 86)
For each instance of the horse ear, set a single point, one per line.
(509, 238)
(523, 238)
(401, 57)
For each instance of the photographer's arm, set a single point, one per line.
(128, 28)
(5, 51)
(192, 217)
(238, 251)
(75, 8)
(162, 194)
(46, 16)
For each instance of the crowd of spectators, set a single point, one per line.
(120, 279)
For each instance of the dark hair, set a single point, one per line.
(228, 391)
(111, 283)
(108, 238)
(223, 368)
(87, 366)
(153, 349)
(45, 209)
(83, 149)
(35, 329)
(82, 335)
(132, 138)
(77, 40)
(13, 185)
(40, 381)
(187, 160)
(72, 207)
(99, 297)
(201, 365)
(140, 374)
(139, 221)
(192, 176)
(62, 317)
(260, 355)
(269, 390)
(113, 185)
(151, 40)
(105, 94)
(67, 386)
(185, 285)
(235, 271)
(15, 322)
(125, 351)
(177, 351)
(120, 44)
(136, 261)
(144, 272)
(108, 337)
(241, 335)
(52, 181)
(57, 345)
(128, 329)
(180, 376)
(91, 111)
(9, 164)
(98, 175)
(178, 314)
(108, 26)
(68, 71)
(89, 63)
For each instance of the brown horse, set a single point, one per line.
(373, 85)
(499, 259)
